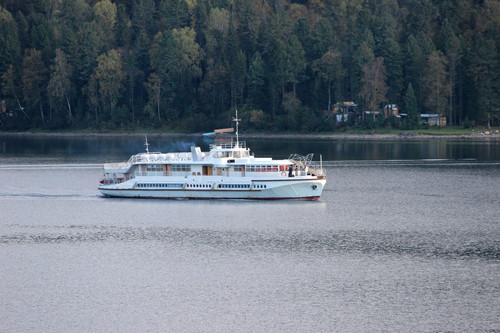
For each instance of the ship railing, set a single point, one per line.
(229, 145)
(160, 157)
(118, 167)
(161, 173)
(149, 158)
(307, 163)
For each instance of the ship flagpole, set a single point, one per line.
(237, 121)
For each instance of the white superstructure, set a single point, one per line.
(227, 171)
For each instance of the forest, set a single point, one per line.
(186, 65)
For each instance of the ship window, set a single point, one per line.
(154, 167)
(237, 168)
(181, 167)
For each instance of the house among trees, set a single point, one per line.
(343, 111)
(391, 110)
(433, 119)
(372, 114)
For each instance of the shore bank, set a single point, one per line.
(480, 135)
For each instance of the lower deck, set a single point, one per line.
(217, 188)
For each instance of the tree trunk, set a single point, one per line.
(451, 100)
(158, 104)
(329, 95)
(70, 113)
(131, 98)
(41, 107)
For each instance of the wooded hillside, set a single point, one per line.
(186, 64)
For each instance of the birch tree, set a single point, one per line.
(59, 88)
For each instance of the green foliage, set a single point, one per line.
(329, 69)
(9, 41)
(374, 89)
(109, 77)
(187, 63)
(34, 81)
(435, 83)
(59, 86)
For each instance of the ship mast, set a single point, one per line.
(146, 144)
(237, 121)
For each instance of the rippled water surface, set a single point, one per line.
(409, 243)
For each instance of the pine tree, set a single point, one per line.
(410, 107)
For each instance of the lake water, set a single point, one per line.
(406, 238)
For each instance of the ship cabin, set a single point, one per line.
(231, 159)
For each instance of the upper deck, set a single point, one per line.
(219, 154)
(236, 149)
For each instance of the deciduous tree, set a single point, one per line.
(435, 84)
(329, 69)
(105, 17)
(375, 87)
(9, 40)
(34, 80)
(110, 77)
(59, 87)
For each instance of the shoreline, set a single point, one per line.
(333, 136)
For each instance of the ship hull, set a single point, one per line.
(297, 189)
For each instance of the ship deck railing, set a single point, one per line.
(149, 158)
(253, 175)
(229, 145)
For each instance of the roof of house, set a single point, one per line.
(430, 115)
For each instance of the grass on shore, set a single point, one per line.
(434, 131)
(449, 130)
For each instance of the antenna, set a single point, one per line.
(146, 143)
(237, 121)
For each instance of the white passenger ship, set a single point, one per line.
(228, 171)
